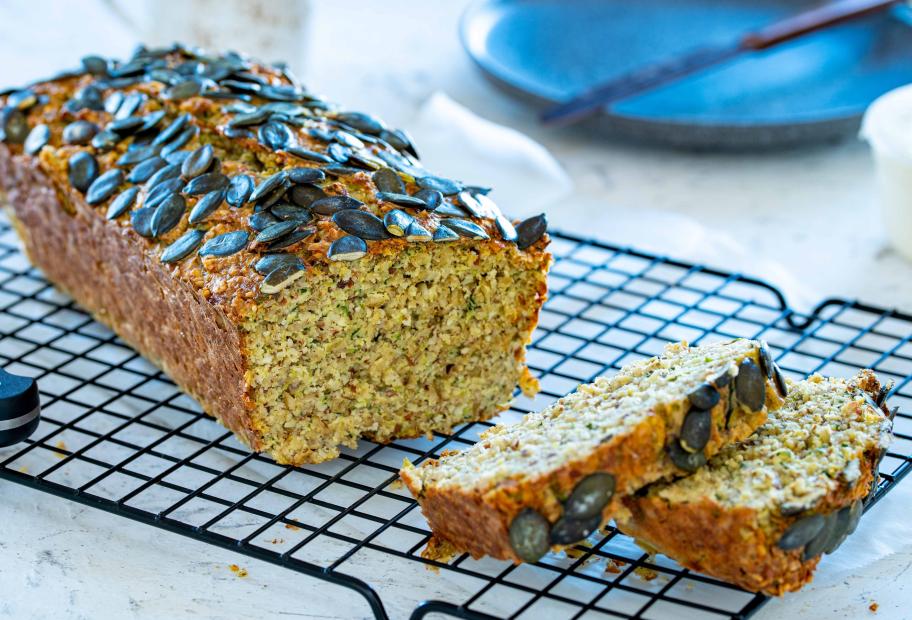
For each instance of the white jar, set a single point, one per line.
(887, 126)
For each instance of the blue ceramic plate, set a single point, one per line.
(808, 90)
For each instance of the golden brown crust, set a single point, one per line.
(731, 543)
(104, 268)
(477, 521)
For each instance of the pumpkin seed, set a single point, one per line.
(225, 244)
(361, 224)
(138, 154)
(400, 141)
(447, 187)
(172, 130)
(275, 231)
(840, 530)
(779, 381)
(530, 535)
(258, 222)
(433, 199)
(696, 430)
(347, 248)
(151, 121)
(766, 359)
(531, 230)
(388, 182)
(331, 204)
(122, 203)
(417, 232)
(183, 246)
(247, 119)
(168, 214)
(205, 183)
(131, 103)
(144, 171)
(305, 195)
(161, 191)
(338, 170)
(820, 541)
(285, 211)
(306, 175)
(682, 459)
(206, 206)
(855, 512)
(79, 132)
(281, 277)
(343, 137)
(163, 174)
(268, 185)
(303, 153)
(750, 385)
(96, 65)
(141, 221)
(505, 227)
(105, 140)
(590, 496)
(113, 101)
(444, 234)
(82, 170)
(451, 210)
(104, 186)
(197, 162)
(182, 139)
(403, 200)
(271, 262)
(14, 127)
(465, 228)
(468, 201)
(704, 397)
(237, 133)
(290, 240)
(182, 90)
(22, 100)
(37, 139)
(275, 136)
(801, 532)
(339, 152)
(239, 190)
(568, 531)
(126, 126)
(361, 122)
(397, 222)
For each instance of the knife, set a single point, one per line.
(663, 72)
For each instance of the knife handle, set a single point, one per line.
(20, 408)
(809, 21)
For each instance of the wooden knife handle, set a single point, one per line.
(809, 21)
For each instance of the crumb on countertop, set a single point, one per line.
(614, 566)
(293, 528)
(874, 607)
(646, 574)
(60, 445)
(237, 570)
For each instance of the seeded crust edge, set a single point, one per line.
(478, 521)
(50, 220)
(729, 543)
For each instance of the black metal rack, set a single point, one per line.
(117, 435)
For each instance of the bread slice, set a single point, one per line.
(291, 265)
(761, 512)
(557, 475)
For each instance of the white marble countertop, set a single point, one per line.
(813, 211)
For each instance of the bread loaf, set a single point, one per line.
(289, 264)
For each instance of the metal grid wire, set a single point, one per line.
(118, 435)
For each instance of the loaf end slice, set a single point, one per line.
(559, 474)
(761, 512)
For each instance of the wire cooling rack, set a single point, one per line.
(117, 435)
